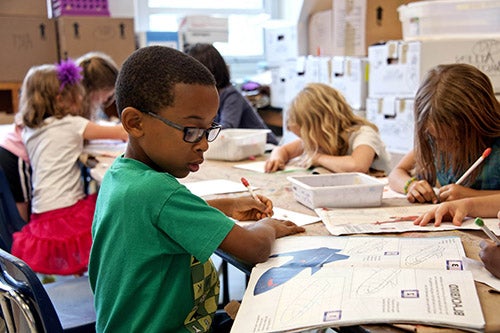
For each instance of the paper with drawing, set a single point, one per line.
(317, 282)
(343, 221)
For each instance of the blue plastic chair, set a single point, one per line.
(29, 306)
(10, 220)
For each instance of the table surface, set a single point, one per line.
(276, 187)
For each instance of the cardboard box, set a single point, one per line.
(280, 42)
(358, 24)
(321, 33)
(24, 8)
(26, 41)
(81, 34)
(163, 38)
(395, 121)
(349, 75)
(398, 67)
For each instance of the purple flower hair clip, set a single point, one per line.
(68, 73)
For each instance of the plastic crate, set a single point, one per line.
(235, 144)
(440, 18)
(350, 189)
(80, 8)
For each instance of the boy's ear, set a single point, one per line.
(131, 119)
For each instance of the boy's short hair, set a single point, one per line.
(147, 78)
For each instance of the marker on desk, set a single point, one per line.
(474, 166)
(247, 185)
(479, 222)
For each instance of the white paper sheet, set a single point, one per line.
(343, 221)
(258, 166)
(215, 186)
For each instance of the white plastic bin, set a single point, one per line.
(235, 144)
(350, 189)
(440, 18)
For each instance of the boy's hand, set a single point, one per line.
(249, 209)
(490, 255)
(282, 227)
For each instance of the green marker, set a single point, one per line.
(479, 222)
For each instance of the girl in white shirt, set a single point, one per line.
(330, 135)
(57, 239)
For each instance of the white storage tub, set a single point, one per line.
(351, 189)
(235, 144)
(447, 18)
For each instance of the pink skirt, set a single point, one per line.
(57, 241)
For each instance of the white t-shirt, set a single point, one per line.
(368, 136)
(54, 150)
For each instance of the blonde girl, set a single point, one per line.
(57, 239)
(330, 135)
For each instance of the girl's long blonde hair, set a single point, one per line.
(325, 120)
(39, 93)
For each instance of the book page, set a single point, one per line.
(318, 282)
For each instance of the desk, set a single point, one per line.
(276, 187)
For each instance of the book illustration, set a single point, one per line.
(377, 281)
(301, 260)
(424, 254)
(393, 219)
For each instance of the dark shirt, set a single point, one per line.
(236, 112)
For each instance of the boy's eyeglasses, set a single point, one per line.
(191, 134)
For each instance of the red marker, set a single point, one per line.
(247, 185)
(474, 166)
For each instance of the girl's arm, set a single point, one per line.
(359, 161)
(401, 181)
(94, 131)
(456, 211)
(401, 173)
(282, 154)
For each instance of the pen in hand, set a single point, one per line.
(249, 188)
(479, 222)
(474, 166)
(252, 193)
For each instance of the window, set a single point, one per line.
(245, 46)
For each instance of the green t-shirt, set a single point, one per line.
(147, 228)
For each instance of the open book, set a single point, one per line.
(319, 282)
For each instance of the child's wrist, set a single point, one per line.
(406, 188)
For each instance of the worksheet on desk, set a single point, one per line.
(317, 282)
(345, 221)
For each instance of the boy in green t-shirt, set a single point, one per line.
(152, 238)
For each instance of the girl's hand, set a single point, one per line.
(282, 227)
(421, 191)
(454, 211)
(249, 209)
(274, 164)
(454, 192)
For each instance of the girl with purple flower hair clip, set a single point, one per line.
(68, 73)
(57, 238)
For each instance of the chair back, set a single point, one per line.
(25, 304)
(10, 220)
